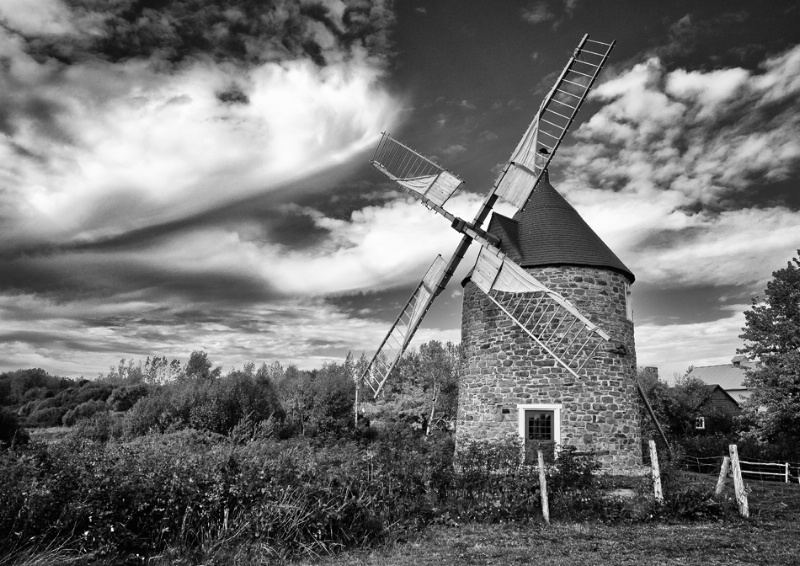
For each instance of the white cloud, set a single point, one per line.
(674, 347)
(537, 12)
(61, 338)
(171, 148)
(454, 149)
(377, 248)
(676, 155)
(37, 17)
(708, 89)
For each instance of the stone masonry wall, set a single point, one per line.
(504, 368)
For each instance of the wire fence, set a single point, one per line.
(752, 468)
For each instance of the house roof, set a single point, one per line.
(710, 389)
(548, 231)
(730, 377)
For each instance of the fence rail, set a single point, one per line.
(765, 471)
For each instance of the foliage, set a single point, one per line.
(188, 488)
(199, 367)
(423, 389)
(677, 407)
(574, 470)
(317, 402)
(47, 407)
(124, 397)
(100, 427)
(781, 449)
(46, 417)
(82, 411)
(10, 430)
(772, 335)
(205, 402)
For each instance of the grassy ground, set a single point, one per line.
(49, 434)
(585, 544)
(770, 537)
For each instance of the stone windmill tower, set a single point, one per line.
(510, 386)
(544, 314)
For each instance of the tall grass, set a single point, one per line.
(201, 495)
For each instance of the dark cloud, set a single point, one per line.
(707, 39)
(693, 304)
(113, 274)
(240, 31)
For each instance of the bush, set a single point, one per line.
(214, 405)
(10, 430)
(50, 416)
(100, 427)
(83, 411)
(124, 397)
(191, 490)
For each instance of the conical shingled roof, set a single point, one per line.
(547, 231)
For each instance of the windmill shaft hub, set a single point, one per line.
(462, 226)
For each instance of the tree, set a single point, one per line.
(772, 335)
(422, 391)
(199, 367)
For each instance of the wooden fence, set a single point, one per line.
(786, 472)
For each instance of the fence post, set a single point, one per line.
(723, 473)
(738, 483)
(787, 472)
(543, 488)
(656, 473)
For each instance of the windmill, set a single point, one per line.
(544, 316)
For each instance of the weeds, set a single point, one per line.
(201, 494)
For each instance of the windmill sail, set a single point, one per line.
(402, 331)
(555, 116)
(575, 338)
(548, 318)
(414, 171)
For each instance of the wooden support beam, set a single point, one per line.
(738, 483)
(543, 488)
(723, 473)
(659, 495)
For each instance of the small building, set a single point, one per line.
(729, 377)
(714, 410)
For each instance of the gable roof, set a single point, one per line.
(710, 389)
(548, 231)
(728, 376)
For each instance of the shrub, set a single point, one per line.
(214, 405)
(574, 471)
(82, 411)
(92, 391)
(50, 416)
(153, 413)
(124, 397)
(100, 427)
(10, 430)
(191, 490)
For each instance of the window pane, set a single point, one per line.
(540, 425)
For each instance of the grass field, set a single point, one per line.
(588, 544)
(770, 537)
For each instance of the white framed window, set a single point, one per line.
(700, 423)
(628, 302)
(540, 422)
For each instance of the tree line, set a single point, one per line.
(158, 396)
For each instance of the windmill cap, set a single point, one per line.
(548, 231)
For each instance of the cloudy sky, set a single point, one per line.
(194, 174)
